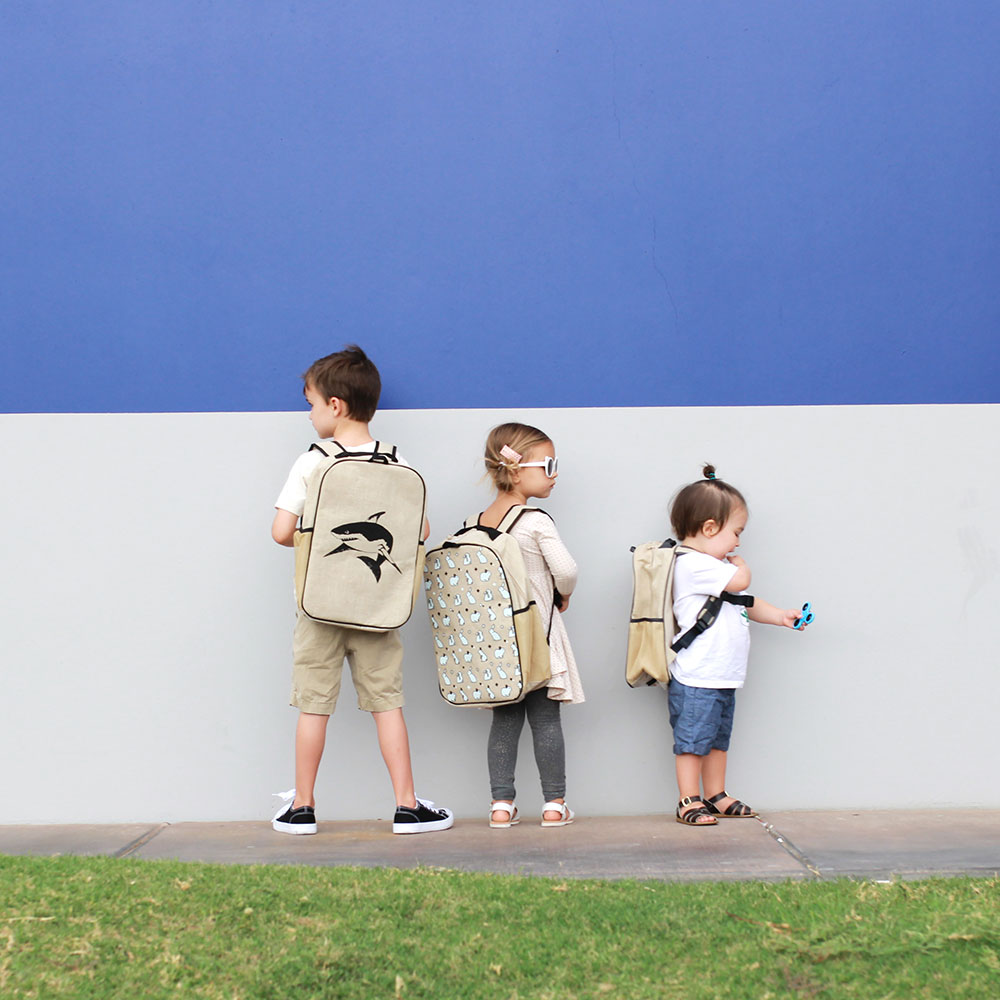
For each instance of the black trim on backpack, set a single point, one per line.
(493, 534)
(556, 596)
(376, 455)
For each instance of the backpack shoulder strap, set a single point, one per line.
(506, 524)
(709, 613)
(490, 533)
(516, 513)
(383, 453)
(331, 448)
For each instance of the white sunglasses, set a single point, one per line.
(550, 465)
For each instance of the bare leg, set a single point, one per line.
(394, 742)
(713, 773)
(310, 739)
(689, 771)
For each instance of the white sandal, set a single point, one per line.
(566, 814)
(510, 809)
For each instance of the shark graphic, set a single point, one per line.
(369, 540)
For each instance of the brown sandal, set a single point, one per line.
(735, 810)
(693, 816)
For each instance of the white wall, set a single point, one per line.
(145, 614)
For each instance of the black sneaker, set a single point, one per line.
(424, 817)
(297, 821)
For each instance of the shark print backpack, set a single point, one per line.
(489, 644)
(359, 548)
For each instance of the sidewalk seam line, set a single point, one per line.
(134, 845)
(800, 856)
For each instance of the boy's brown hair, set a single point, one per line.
(708, 499)
(348, 375)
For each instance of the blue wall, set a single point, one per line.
(626, 204)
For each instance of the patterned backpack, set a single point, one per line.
(489, 644)
(359, 547)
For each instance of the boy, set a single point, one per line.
(342, 390)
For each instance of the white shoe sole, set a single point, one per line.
(296, 829)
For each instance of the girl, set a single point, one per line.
(521, 461)
(708, 517)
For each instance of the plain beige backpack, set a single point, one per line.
(359, 547)
(650, 651)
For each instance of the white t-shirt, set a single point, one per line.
(718, 657)
(293, 494)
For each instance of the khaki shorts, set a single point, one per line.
(375, 658)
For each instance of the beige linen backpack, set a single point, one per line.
(651, 648)
(489, 644)
(359, 547)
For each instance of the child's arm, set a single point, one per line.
(561, 564)
(768, 614)
(741, 578)
(283, 526)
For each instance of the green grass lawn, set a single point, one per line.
(98, 927)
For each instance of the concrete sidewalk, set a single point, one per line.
(781, 845)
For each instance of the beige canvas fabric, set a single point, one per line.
(359, 553)
(651, 626)
(489, 642)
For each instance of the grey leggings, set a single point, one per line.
(547, 736)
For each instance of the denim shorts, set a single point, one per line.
(701, 718)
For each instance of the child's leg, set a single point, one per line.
(310, 739)
(692, 718)
(376, 660)
(713, 776)
(394, 742)
(550, 749)
(689, 774)
(318, 657)
(501, 753)
(713, 773)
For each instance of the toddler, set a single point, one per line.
(708, 518)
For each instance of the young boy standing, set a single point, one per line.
(343, 390)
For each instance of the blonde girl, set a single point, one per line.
(521, 462)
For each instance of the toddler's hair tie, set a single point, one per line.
(710, 476)
(512, 456)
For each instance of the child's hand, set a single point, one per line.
(738, 561)
(790, 617)
(768, 614)
(564, 605)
